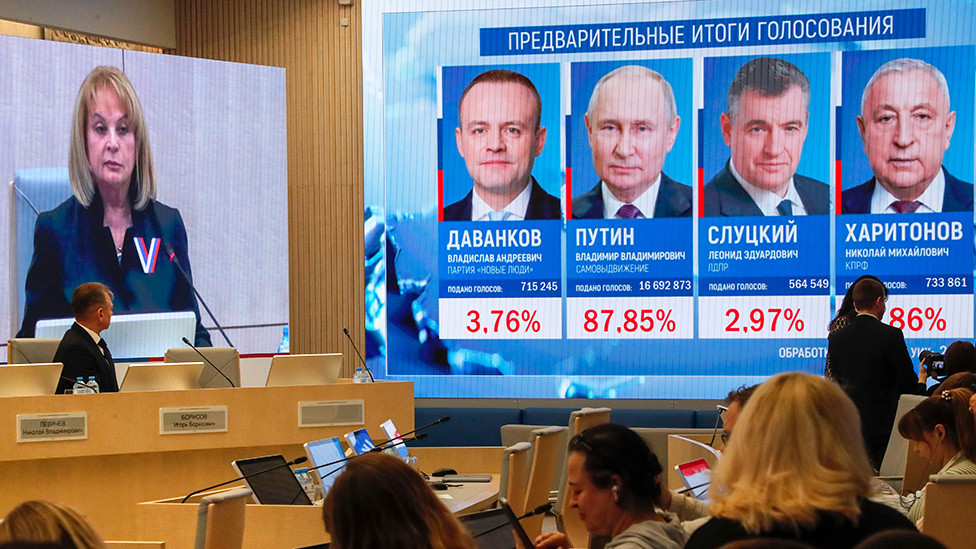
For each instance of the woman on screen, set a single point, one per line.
(381, 502)
(112, 230)
(615, 484)
(797, 469)
(45, 522)
(942, 431)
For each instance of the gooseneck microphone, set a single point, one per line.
(186, 277)
(361, 359)
(212, 365)
(296, 461)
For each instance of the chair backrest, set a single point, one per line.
(949, 500)
(893, 463)
(220, 520)
(682, 450)
(579, 421)
(32, 191)
(30, 350)
(226, 359)
(515, 475)
(547, 443)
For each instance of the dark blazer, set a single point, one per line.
(958, 196)
(82, 357)
(72, 247)
(870, 361)
(673, 200)
(724, 197)
(542, 205)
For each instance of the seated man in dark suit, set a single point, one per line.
(632, 122)
(765, 125)
(499, 136)
(906, 126)
(871, 362)
(82, 350)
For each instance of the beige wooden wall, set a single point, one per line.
(319, 44)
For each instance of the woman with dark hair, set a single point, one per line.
(46, 522)
(615, 484)
(942, 431)
(379, 502)
(845, 313)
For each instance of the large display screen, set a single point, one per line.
(658, 199)
(216, 132)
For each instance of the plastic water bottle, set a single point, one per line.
(305, 479)
(92, 384)
(359, 376)
(80, 388)
(284, 346)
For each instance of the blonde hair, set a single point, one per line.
(46, 522)
(142, 187)
(797, 451)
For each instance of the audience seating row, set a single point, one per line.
(482, 426)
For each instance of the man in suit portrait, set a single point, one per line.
(871, 363)
(499, 136)
(906, 126)
(765, 125)
(82, 349)
(632, 122)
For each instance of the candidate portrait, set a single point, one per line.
(631, 124)
(765, 125)
(906, 126)
(499, 136)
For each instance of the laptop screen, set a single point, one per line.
(275, 487)
(325, 451)
(359, 441)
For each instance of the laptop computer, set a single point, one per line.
(133, 336)
(272, 481)
(696, 476)
(287, 370)
(161, 376)
(324, 451)
(492, 529)
(30, 379)
(359, 441)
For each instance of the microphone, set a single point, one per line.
(544, 508)
(399, 439)
(361, 359)
(296, 461)
(186, 277)
(204, 357)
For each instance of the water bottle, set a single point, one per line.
(305, 479)
(284, 345)
(92, 384)
(359, 376)
(80, 388)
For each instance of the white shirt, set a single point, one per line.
(931, 199)
(645, 202)
(768, 201)
(93, 334)
(516, 209)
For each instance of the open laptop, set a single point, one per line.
(492, 529)
(30, 379)
(276, 485)
(133, 336)
(321, 452)
(359, 441)
(696, 476)
(289, 370)
(161, 376)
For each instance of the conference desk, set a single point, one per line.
(278, 526)
(126, 460)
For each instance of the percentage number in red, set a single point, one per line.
(511, 321)
(765, 318)
(643, 320)
(918, 318)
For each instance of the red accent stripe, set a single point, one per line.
(701, 192)
(569, 192)
(838, 179)
(154, 244)
(440, 195)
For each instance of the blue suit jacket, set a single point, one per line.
(958, 196)
(673, 200)
(542, 205)
(82, 358)
(724, 197)
(72, 246)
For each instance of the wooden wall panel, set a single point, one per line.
(323, 63)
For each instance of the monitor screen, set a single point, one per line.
(324, 451)
(277, 485)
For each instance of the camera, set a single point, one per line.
(935, 362)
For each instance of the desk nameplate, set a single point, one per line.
(198, 419)
(52, 427)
